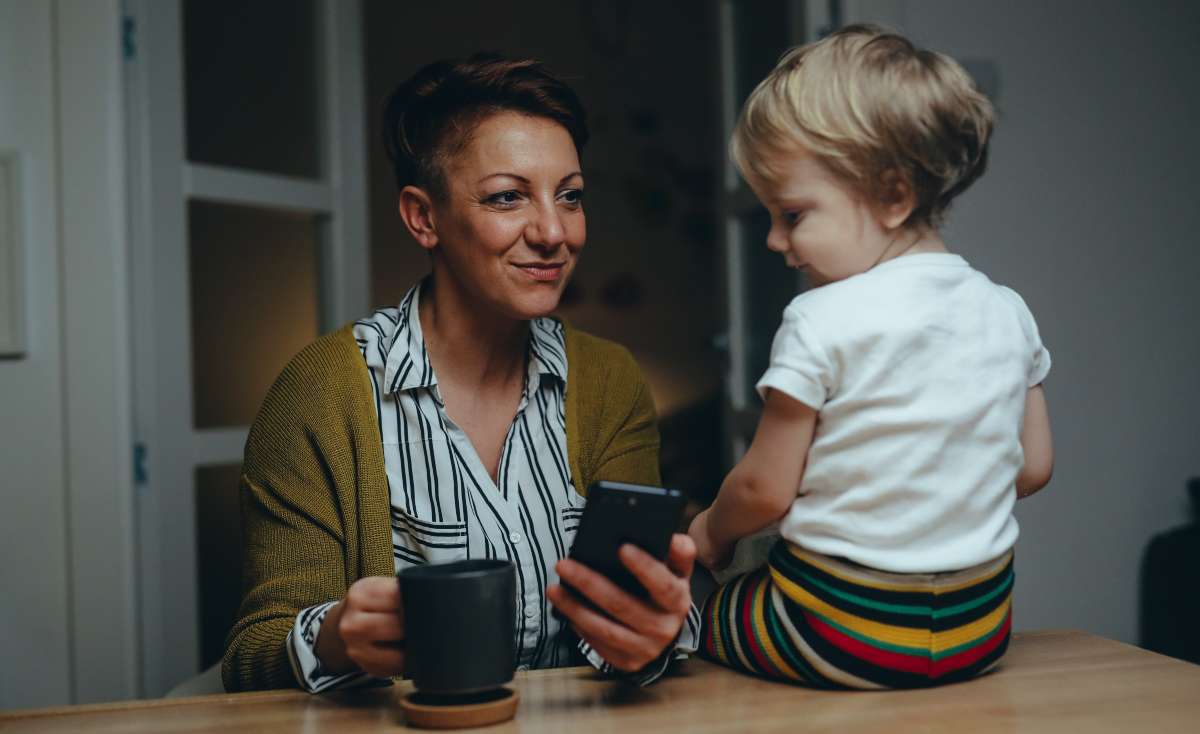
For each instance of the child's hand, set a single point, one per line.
(708, 553)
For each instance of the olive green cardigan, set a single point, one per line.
(314, 492)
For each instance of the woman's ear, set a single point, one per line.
(896, 199)
(416, 209)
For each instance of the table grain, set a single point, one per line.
(1050, 681)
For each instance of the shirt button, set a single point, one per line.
(530, 612)
(514, 536)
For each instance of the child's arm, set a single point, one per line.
(762, 486)
(1036, 443)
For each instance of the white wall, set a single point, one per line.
(34, 616)
(1091, 210)
(67, 588)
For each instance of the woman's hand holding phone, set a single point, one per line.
(629, 631)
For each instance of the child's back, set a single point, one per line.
(919, 368)
(903, 412)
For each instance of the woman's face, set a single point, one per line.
(511, 225)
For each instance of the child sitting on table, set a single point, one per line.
(904, 413)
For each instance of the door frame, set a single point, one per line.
(162, 180)
(97, 368)
(740, 409)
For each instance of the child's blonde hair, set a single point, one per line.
(867, 102)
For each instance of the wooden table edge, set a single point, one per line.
(238, 699)
(254, 697)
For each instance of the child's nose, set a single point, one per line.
(777, 240)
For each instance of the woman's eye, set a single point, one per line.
(504, 198)
(571, 197)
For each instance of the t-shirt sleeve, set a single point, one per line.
(1039, 356)
(799, 366)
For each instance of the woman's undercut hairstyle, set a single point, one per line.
(869, 104)
(431, 116)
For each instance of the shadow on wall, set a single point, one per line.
(1170, 604)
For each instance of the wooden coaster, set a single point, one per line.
(459, 712)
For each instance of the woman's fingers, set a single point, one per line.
(371, 626)
(374, 641)
(384, 659)
(606, 595)
(635, 631)
(624, 648)
(375, 594)
(667, 584)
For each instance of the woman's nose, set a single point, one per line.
(545, 229)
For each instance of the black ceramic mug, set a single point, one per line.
(459, 625)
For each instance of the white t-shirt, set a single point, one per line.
(919, 369)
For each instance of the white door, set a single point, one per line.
(249, 238)
(753, 35)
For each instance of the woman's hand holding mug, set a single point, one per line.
(365, 631)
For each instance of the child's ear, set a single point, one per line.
(896, 198)
(416, 209)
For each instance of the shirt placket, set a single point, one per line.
(531, 595)
(504, 502)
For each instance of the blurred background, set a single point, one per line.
(191, 190)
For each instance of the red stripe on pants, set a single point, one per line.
(919, 664)
(752, 645)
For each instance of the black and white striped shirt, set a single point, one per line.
(444, 504)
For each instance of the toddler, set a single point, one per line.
(903, 408)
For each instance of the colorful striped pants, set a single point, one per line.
(828, 623)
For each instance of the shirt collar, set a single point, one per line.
(547, 350)
(408, 366)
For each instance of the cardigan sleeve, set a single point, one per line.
(295, 552)
(625, 424)
(632, 453)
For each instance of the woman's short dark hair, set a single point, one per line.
(430, 117)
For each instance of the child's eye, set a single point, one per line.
(504, 199)
(793, 218)
(571, 197)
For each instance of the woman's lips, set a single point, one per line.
(542, 271)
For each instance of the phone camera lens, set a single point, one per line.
(632, 501)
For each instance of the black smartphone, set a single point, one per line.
(618, 513)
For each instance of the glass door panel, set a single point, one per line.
(252, 96)
(255, 302)
(250, 239)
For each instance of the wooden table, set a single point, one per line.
(1049, 682)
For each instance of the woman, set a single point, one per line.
(464, 423)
